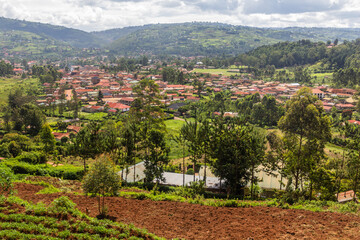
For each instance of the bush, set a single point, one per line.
(190, 171)
(102, 179)
(62, 205)
(195, 189)
(6, 179)
(32, 157)
(66, 172)
(49, 190)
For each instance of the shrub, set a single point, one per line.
(49, 190)
(102, 179)
(6, 179)
(66, 172)
(62, 205)
(32, 157)
(190, 171)
(195, 189)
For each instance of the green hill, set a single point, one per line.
(26, 44)
(191, 39)
(73, 37)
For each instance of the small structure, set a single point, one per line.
(346, 196)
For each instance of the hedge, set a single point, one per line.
(66, 172)
(32, 157)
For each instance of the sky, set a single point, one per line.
(96, 15)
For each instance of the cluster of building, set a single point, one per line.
(100, 91)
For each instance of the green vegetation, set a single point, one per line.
(7, 85)
(101, 180)
(40, 222)
(47, 32)
(211, 39)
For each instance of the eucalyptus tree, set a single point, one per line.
(306, 121)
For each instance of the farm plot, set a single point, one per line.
(193, 221)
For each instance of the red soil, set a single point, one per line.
(192, 221)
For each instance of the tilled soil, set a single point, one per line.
(192, 221)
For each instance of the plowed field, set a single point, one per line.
(192, 221)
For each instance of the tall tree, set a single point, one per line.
(305, 120)
(47, 138)
(146, 113)
(158, 156)
(89, 141)
(234, 146)
(181, 140)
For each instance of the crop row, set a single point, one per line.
(42, 222)
(49, 226)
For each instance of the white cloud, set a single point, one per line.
(92, 15)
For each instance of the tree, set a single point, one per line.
(158, 156)
(100, 95)
(353, 162)
(302, 75)
(305, 121)
(101, 180)
(75, 104)
(89, 141)
(199, 86)
(181, 140)
(147, 114)
(47, 138)
(191, 133)
(256, 152)
(233, 148)
(276, 159)
(130, 142)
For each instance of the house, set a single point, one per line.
(317, 92)
(58, 136)
(92, 109)
(118, 106)
(346, 196)
(354, 122)
(72, 128)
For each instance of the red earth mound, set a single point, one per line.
(192, 221)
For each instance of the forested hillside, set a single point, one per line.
(26, 44)
(211, 39)
(184, 39)
(74, 37)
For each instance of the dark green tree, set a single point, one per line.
(305, 121)
(158, 156)
(101, 180)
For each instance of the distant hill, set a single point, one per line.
(29, 45)
(116, 33)
(73, 37)
(23, 38)
(191, 39)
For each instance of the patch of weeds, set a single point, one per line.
(49, 190)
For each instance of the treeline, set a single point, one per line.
(260, 111)
(172, 75)
(46, 74)
(347, 77)
(284, 54)
(124, 64)
(288, 54)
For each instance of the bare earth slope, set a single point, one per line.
(192, 221)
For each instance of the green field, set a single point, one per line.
(7, 84)
(219, 71)
(172, 129)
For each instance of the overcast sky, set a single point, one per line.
(93, 15)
